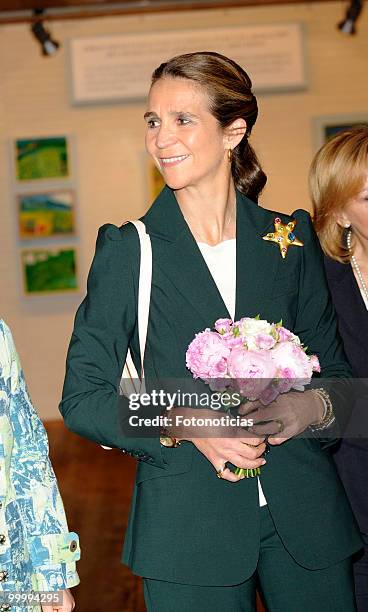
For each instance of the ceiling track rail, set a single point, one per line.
(134, 7)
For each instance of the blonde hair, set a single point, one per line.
(337, 175)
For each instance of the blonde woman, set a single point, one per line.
(339, 191)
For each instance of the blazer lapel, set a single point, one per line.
(178, 255)
(349, 303)
(176, 252)
(256, 259)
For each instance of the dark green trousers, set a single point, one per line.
(285, 585)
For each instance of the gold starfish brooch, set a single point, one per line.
(283, 236)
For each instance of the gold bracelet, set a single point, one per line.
(328, 416)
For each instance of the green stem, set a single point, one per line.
(248, 472)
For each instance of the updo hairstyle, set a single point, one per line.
(229, 89)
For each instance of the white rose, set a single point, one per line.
(253, 327)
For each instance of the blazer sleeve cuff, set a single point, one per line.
(54, 548)
(149, 450)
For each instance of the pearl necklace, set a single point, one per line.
(357, 269)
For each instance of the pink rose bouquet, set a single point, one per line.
(256, 359)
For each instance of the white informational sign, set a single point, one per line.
(119, 67)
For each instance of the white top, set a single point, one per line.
(221, 262)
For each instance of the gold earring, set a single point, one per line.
(230, 155)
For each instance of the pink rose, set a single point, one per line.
(292, 363)
(251, 371)
(207, 355)
(286, 373)
(233, 341)
(284, 334)
(265, 341)
(316, 366)
(223, 326)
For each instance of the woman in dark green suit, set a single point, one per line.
(204, 542)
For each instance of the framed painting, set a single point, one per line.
(49, 270)
(155, 181)
(326, 127)
(46, 214)
(41, 158)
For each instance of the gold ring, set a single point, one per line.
(219, 472)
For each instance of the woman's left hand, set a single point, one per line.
(287, 416)
(67, 606)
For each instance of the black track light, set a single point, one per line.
(48, 44)
(347, 26)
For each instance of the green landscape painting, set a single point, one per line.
(43, 215)
(49, 270)
(41, 158)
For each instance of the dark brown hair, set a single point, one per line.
(336, 176)
(230, 97)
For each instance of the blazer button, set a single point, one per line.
(3, 575)
(73, 546)
(2, 539)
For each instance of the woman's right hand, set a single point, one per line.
(242, 452)
(239, 447)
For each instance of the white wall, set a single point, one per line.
(109, 144)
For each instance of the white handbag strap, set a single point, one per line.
(144, 288)
(129, 382)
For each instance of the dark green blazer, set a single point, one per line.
(185, 524)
